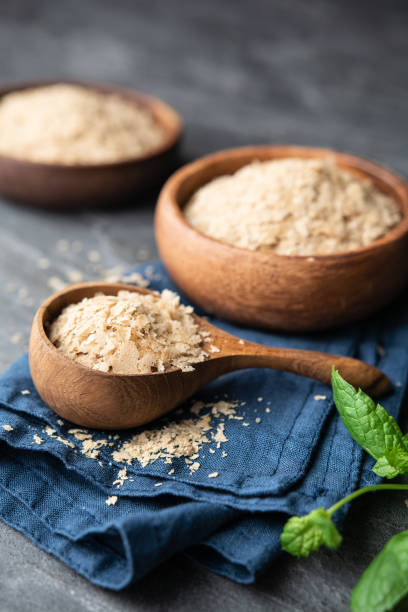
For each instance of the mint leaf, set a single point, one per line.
(385, 582)
(303, 534)
(393, 463)
(372, 428)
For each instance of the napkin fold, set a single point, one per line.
(285, 452)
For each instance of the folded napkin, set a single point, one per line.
(282, 450)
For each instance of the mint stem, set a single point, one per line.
(383, 487)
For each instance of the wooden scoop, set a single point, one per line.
(91, 398)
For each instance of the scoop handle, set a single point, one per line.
(313, 364)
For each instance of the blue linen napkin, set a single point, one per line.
(287, 455)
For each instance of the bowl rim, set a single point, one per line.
(169, 196)
(39, 323)
(154, 104)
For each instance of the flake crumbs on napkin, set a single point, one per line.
(176, 439)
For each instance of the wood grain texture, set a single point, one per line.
(330, 74)
(290, 293)
(77, 186)
(105, 400)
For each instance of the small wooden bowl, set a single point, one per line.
(74, 186)
(263, 289)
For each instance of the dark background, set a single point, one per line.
(312, 72)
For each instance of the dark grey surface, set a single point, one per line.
(317, 73)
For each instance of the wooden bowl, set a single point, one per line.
(281, 292)
(53, 185)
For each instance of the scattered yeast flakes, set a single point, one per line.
(55, 283)
(219, 435)
(37, 439)
(320, 397)
(257, 420)
(25, 392)
(53, 434)
(267, 409)
(158, 484)
(260, 399)
(90, 447)
(214, 349)
(94, 256)
(194, 466)
(120, 478)
(170, 472)
(74, 276)
(182, 439)
(8, 427)
(111, 501)
(213, 475)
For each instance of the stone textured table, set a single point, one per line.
(316, 73)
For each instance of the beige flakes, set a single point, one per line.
(320, 397)
(55, 283)
(8, 427)
(241, 341)
(120, 478)
(257, 420)
(214, 349)
(129, 333)
(224, 454)
(25, 392)
(219, 437)
(158, 484)
(37, 439)
(213, 475)
(245, 424)
(74, 276)
(111, 501)
(293, 207)
(170, 472)
(69, 124)
(90, 447)
(194, 466)
(259, 399)
(52, 434)
(267, 409)
(94, 256)
(182, 439)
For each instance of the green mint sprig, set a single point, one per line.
(385, 581)
(372, 428)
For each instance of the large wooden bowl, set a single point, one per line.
(68, 186)
(263, 289)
